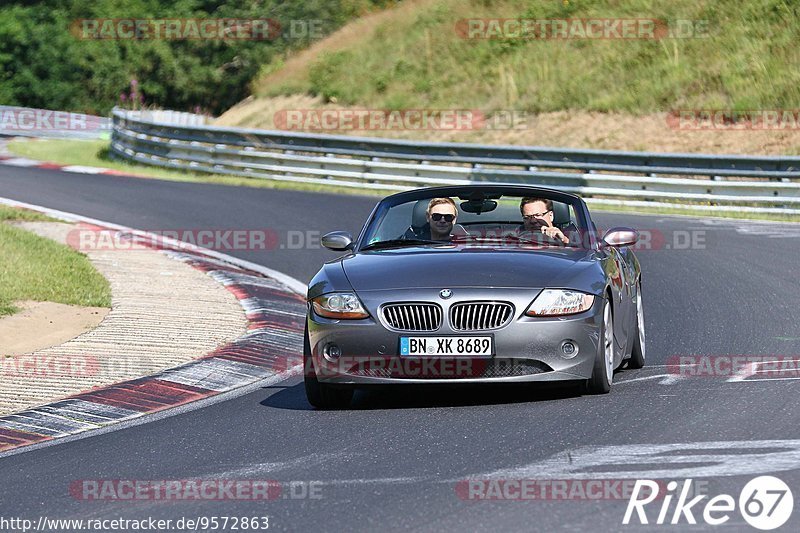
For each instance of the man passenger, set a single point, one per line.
(441, 216)
(537, 217)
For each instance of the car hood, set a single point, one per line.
(468, 267)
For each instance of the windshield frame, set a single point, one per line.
(585, 224)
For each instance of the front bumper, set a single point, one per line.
(526, 350)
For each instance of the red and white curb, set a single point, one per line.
(271, 349)
(77, 169)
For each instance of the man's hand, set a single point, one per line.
(554, 233)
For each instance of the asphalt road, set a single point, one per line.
(398, 459)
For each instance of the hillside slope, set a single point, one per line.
(605, 93)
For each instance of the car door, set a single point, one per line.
(618, 272)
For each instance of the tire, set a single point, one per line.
(603, 372)
(321, 395)
(639, 344)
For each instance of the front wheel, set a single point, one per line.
(638, 352)
(321, 395)
(603, 372)
(324, 396)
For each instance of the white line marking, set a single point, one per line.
(746, 371)
(666, 461)
(261, 469)
(79, 169)
(669, 379)
(669, 366)
(750, 370)
(759, 380)
(384, 481)
(20, 162)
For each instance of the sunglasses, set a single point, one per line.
(439, 216)
(535, 215)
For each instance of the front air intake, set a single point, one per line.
(413, 316)
(479, 316)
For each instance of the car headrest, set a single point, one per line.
(418, 218)
(459, 231)
(560, 214)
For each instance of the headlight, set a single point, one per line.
(339, 305)
(555, 302)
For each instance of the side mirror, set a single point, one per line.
(338, 241)
(619, 237)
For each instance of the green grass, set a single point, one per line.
(416, 59)
(37, 268)
(95, 153)
(22, 215)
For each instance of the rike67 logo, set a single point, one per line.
(765, 503)
(672, 480)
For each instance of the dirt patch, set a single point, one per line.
(40, 325)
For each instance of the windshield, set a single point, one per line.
(496, 220)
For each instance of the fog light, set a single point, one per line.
(331, 352)
(569, 349)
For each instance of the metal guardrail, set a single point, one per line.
(685, 181)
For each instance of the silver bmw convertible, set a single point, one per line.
(479, 283)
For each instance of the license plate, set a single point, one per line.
(436, 346)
